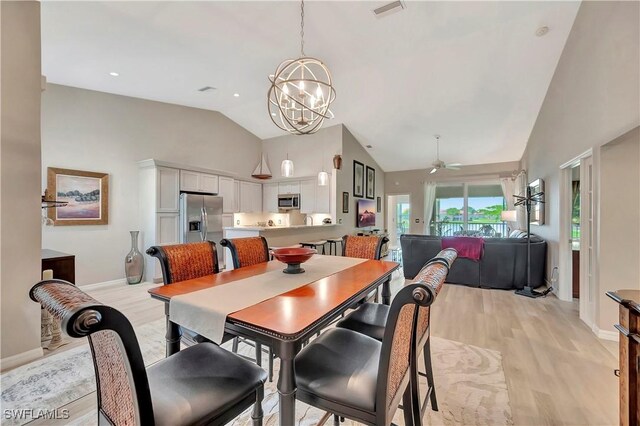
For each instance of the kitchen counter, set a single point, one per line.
(275, 228)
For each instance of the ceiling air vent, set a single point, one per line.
(206, 89)
(387, 9)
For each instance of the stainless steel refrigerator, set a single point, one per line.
(201, 219)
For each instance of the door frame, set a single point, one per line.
(391, 213)
(565, 274)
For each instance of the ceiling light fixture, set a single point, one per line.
(236, 95)
(301, 92)
(113, 74)
(542, 31)
(286, 168)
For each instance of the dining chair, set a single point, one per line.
(355, 376)
(370, 319)
(202, 384)
(181, 262)
(246, 252)
(364, 247)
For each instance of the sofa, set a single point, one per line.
(503, 264)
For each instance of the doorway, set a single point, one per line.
(399, 218)
(576, 256)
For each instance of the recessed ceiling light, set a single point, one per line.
(542, 31)
(114, 74)
(387, 9)
(236, 94)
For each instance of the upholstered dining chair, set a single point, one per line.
(246, 252)
(181, 262)
(202, 384)
(364, 247)
(371, 319)
(355, 376)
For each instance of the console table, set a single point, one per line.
(629, 328)
(62, 264)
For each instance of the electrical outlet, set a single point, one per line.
(417, 220)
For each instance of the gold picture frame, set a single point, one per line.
(86, 195)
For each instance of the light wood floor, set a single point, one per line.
(557, 371)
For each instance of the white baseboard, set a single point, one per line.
(96, 286)
(20, 359)
(606, 334)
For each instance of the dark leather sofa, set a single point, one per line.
(503, 263)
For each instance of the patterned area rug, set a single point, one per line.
(470, 384)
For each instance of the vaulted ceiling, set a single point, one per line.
(473, 72)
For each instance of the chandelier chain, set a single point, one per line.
(302, 27)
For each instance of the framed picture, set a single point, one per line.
(86, 195)
(345, 202)
(537, 209)
(358, 179)
(371, 183)
(379, 205)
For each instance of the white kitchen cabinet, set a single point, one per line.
(323, 198)
(250, 197)
(227, 220)
(257, 197)
(270, 197)
(167, 189)
(236, 200)
(198, 182)
(167, 229)
(228, 193)
(308, 196)
(289, 187)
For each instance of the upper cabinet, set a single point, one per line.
(270, 197)
(323, 198)
(167, 189)
(308, 196)
(228, 193)
(250, 197)
(198, 182)
(289, 188)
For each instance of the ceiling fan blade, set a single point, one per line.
(454, 164)
(435, 169)
(449, 167)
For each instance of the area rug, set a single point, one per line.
(470, 384)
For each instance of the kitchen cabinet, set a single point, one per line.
(289, 188)
(167, 189)
(167, 232)
(270, 197)
(323, 198)
(250, 197)
(227, 220)
(198, 182)
(227, 191)
(308, 196)
(236, 200)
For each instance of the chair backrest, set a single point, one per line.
(247, 251)
(122, 385)
(398, 348)
(363, 247)
(187, 261)
(433, 274)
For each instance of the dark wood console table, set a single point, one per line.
(629, 328)
(62, 264)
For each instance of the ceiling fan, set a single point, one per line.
(439, 164)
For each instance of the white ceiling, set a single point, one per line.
(473, 72)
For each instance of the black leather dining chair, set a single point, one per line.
(370, 319)
(355, 376)
(202, 384)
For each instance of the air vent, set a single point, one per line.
(387, 9)
(206, 89)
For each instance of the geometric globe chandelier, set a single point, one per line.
(301, 92)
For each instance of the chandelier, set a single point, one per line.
(301, 92)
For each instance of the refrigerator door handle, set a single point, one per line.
(203, 228)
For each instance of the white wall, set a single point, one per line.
(95, 131)
(412, 182)
(20, 181)
(593, 98)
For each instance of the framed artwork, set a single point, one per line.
(379, 205)
(358, 179)
(537, 209)
(345, 202)
(371, 183)
(86, 195)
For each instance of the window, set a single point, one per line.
(469, 209)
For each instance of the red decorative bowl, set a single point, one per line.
(293, 257)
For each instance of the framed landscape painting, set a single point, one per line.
(358, 179)
(86, 195)
(371, 183)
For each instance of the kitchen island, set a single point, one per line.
(281, 236)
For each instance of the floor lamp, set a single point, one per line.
(527, 201)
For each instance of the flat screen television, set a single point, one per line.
(366, 214)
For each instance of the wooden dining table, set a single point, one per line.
(286, 321)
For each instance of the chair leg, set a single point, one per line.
(234, 346)
(259, 354)
(407, 408)
(336, 420)
(257, 414)
(270, 364)
(429, 372)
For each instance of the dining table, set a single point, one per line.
(288, 320)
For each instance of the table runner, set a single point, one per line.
(205, 311)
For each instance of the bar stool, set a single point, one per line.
(315, 245)
(333, 245)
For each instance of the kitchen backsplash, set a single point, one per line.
(279, 219)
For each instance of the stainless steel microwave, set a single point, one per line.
(289, 201)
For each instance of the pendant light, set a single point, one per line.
(323, 177)
(286, 168)
(301, 92)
